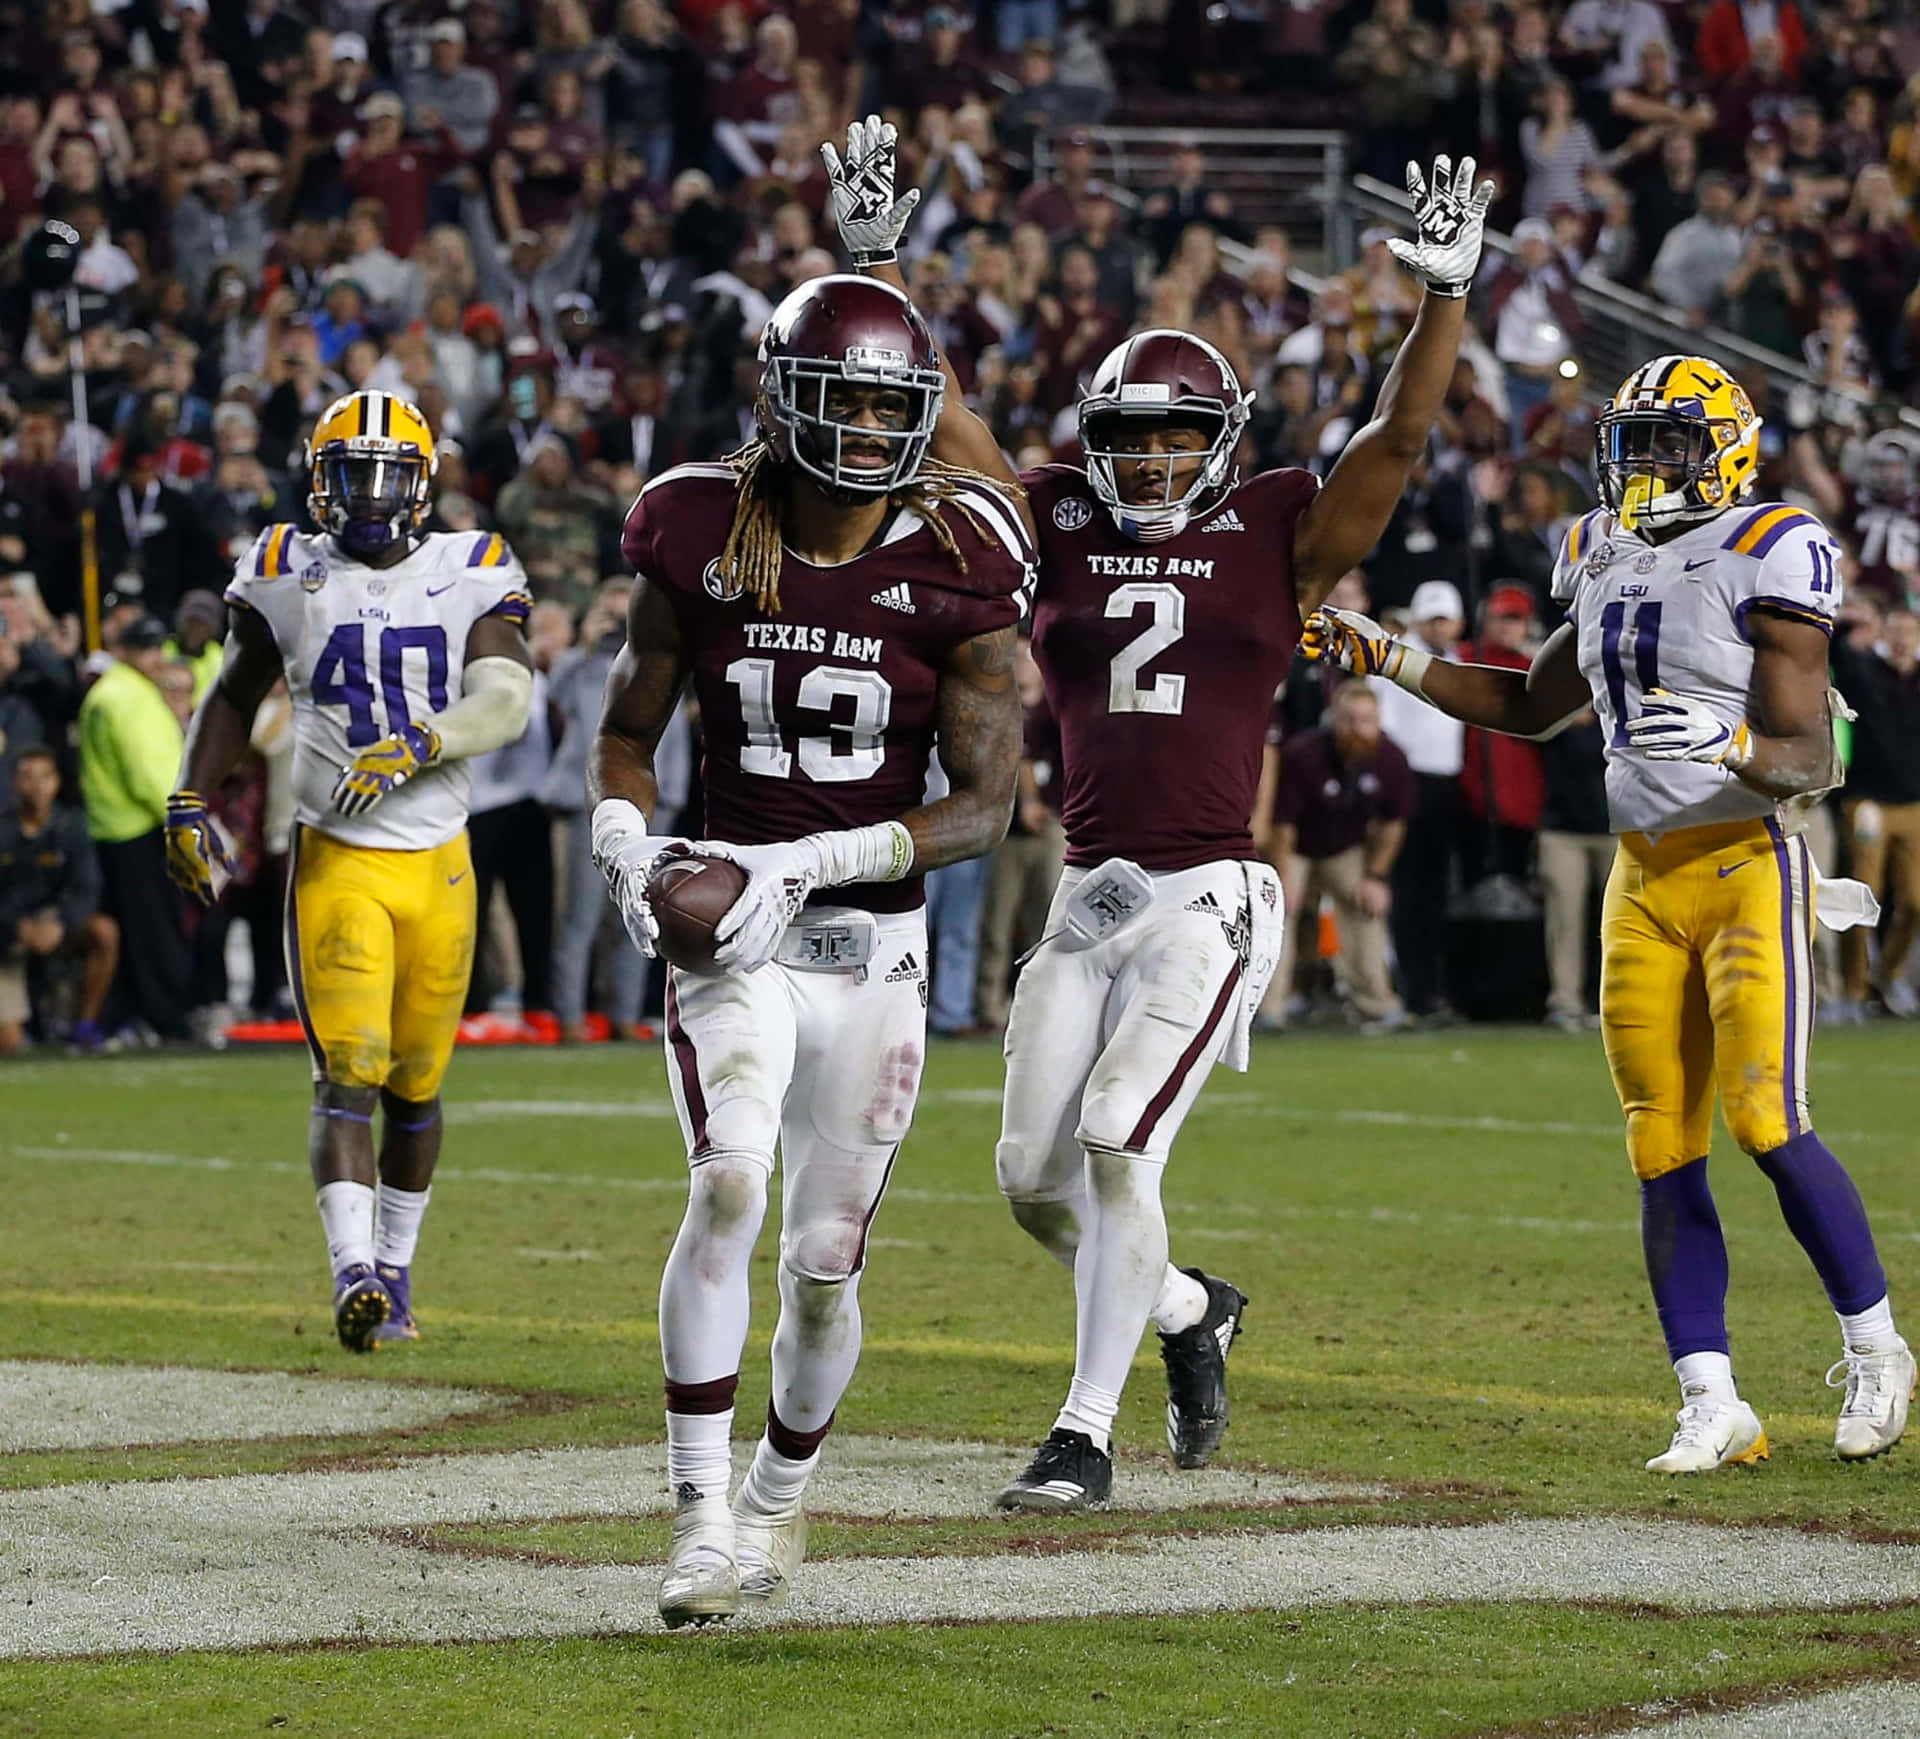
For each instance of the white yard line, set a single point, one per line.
(57, 1406)
(1888, 1711)
(277, 1559)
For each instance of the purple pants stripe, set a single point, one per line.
(1790, 955)
(295, 982)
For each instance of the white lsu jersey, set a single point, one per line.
(367, 650)
(1674, 617)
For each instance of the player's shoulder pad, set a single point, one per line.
(1581, 538)
(1059, 497)
(275, 555)
(1790, 565)
(1286, 489)
(676, 491)
(1000, 534)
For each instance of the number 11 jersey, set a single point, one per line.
(367, 650)
(1674, 616)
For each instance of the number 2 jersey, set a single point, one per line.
(1674, 616)
(1161, 661)
(822, 715)
(367, 650)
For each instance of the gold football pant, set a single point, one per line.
(379, 951)
(1707, 988)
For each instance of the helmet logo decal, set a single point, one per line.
(873, 356)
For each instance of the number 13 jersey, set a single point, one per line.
(367, 650)
(822, 714)
(1675, 617)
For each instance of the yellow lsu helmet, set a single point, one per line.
(370, 465)
(1680, 442)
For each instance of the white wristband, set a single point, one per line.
(1409, 669)
(880, 853)
(616, 823)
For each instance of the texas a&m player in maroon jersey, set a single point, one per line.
(838, 601)
(1169, 601)
(1879, 516)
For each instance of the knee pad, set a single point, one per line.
(1756, 1118)
(729, 1191)
(1109, 1117)
(741, 1125)
(1020, 1169)
(828, 1253)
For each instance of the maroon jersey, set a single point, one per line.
(1161, 661)
(1886, 540)
(823, 715)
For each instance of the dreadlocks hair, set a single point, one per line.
(750, 560)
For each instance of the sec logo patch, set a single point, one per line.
(718, 585)
(1073, 513)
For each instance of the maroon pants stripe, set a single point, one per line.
(1170, 1088)
(689, 1066)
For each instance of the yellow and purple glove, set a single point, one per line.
(383, 767)
(1359, 644)
(197, 858)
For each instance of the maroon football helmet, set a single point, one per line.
(845, 331)
(1890, 472)
(1170, 377)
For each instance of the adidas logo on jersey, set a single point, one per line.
(1228, 521)
(896, 598)
(906, 971)
(1208, 904)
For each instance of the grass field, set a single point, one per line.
(1430, 1515)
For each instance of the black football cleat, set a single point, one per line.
(1066, 1473)
(1196, 1361)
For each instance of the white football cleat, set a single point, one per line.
(1879, 1386)
(1713, 1434)
(702, 1580)
(768, 1548)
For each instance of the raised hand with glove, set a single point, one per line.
(1450, 214)
(860, 193)
(198, 861)
(782, 877)
(1676, 727)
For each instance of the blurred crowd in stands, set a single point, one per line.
(557, 226)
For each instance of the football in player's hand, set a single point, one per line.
(688, 897)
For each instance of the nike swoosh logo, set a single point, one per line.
(1690, 567)
(455, 881)
(435, 591)
(1727, 869)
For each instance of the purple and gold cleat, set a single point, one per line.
(361, 1305)
(399, 1324)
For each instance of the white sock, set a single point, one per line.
(1706, 1376)
(1090, 1409)
(346, 1215)
(699, 1452)
(775, 1481)
(1870, 1330)
(1181, 1304)
(397, 1230)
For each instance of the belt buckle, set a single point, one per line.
(838, 944)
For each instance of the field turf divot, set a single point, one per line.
(61, 1406)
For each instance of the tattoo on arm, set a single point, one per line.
(979, 745)
(643, 689)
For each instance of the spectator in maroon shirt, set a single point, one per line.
(1340, 812)
(750, 108)
(398, 171)
(944, 73)
(1054, 204)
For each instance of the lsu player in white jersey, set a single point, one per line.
(1698, 627)
(405, 655)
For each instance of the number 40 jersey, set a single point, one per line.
(367, 650)
(1674, 616)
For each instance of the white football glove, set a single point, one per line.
(627, 855)
(779, 879)
(1451, 216)
(860, 192)
(1676, 727)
